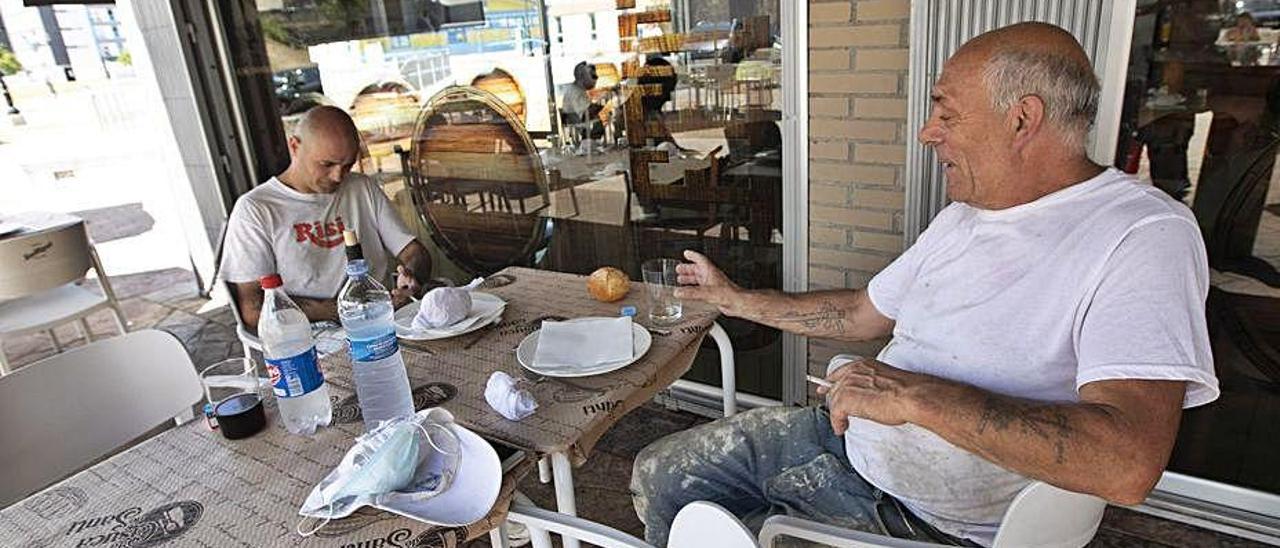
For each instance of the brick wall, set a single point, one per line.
(857, 147)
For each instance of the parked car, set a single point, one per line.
(295, 83)
(1265, 12)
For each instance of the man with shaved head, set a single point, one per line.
(292, 225)
(1049, 325)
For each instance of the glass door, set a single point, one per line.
(1201, 121)
(560, 134)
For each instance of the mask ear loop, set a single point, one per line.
(448, 432)
(323, 522)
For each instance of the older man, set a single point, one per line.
(293, 223)
(1049, 325)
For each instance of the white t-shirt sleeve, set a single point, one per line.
(1146, 317)
(395, 235)
(246, 250)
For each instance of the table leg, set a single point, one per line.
(566, 503)
(728, 372)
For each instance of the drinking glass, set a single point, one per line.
(660, 280)
(233, 395)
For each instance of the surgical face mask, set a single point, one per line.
(409, 458)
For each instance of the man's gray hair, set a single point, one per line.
(1068, 88)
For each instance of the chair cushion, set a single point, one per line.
(50, 308)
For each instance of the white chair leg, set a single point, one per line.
(544, 470)
(118, 315)
(184, 417)
(85, 333)
(539, 537)
(4, 362)
(57, 345)
(728, 371)
(566, 502)
(498, 536)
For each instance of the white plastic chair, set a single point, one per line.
(247, 339)
(70, 409)
(38, 285)
(1041, 515)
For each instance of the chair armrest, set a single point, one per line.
(829, 535)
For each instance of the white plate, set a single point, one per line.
(7, 228)
(640, 341)
(485, 309)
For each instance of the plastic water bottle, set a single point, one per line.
(291, 359)
(382, 385)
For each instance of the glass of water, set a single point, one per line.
(660, 280)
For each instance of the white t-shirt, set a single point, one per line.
(1105, 279)
(276, 229)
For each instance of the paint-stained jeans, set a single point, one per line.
(774, 460)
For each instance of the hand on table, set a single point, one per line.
(407, 287)
(869, 389)
(700, 280)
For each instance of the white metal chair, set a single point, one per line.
(39, 287)
(72, 408)
(1041, 515)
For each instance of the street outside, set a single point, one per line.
(95, 149)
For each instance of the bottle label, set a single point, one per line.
(295, 376)
(377, 348)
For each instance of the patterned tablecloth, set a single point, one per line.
(191, 487)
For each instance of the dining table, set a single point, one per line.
(189, 483)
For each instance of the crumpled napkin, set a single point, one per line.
(445, 306)
(505, 397)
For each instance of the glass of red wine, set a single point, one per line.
(233, 398)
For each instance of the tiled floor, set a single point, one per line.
(167, 300)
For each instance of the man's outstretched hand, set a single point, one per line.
(700, 280)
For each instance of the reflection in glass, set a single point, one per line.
(1202, 122)
(562, 134)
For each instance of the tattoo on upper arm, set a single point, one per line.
(1000, 414)
(828, 316)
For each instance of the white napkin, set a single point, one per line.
(508, 400)
(584, 343)
(443, 307)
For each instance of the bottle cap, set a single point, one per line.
(627, 311)
(357, 267)
(270, 281)
(349, 237)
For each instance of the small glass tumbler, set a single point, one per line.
(233, 395)
(661, 281)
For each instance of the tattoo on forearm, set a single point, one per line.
(828, 316)
(1000, 414)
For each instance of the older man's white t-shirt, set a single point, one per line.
(1102, 280)
(276, 229)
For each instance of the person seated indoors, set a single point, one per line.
(292, 225)
(576, 108)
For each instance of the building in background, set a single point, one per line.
(65, 42)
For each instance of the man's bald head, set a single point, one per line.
(326, 122)
(323, 148)
(1042, 60)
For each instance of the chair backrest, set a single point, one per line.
(60, 413)
(702, 524)
(32, 264)
(1048, 517)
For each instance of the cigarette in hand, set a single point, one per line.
(819, 381)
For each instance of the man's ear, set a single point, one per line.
(1027, 118)
(293, 145)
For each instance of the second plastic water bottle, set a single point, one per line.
(382, 385)
(291, 360)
